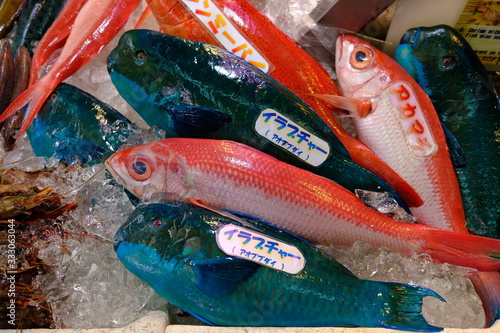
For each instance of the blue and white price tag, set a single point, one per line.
(283, 132)
(248, 244)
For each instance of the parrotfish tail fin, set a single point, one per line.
(356, 107)
(364, 156)
(143, 17)
(33, 97)
(487, 286)
(406, 308)
(481, 253)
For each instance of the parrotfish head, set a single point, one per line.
(143, 69)
(361, 69)
(149, 66)
(440, 60)
(143, 169)
(154, 240)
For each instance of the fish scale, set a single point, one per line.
(230, 291)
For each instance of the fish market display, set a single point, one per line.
(244, 272)
(96, 24)
(214, 100)
(239, 27)
(75, 127)
(469, 108)
(232, 176)
(35, 18)
(225, 97)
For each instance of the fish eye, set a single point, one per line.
(155, 224)
(140, 57)
(140, 168)
(361, 57)
(54, 96)
(447, 63)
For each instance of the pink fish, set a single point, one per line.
(96, 24)
(403, 128)
(232, 176)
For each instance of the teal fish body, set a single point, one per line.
(197, 90)
(35, 19)
(449, 71)
(75, 127)
(269, 277)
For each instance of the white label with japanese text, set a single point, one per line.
(251, 245)
(288, 135)
(226, 33)
(415, 127)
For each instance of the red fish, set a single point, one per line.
(232, 176)
(403, 128)
(96, 24)
(55, 37)
(239, 27)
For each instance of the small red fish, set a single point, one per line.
(232, 176)
(402, 128)
(55, 37)
(96, 24)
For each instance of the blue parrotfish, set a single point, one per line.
(222, 96)
(76, 127)
(234, 270)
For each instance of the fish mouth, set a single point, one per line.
(119, 238)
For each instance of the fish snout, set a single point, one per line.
(410, 37)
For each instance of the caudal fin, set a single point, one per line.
(481, 253)
(406, 308)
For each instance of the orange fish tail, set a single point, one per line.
(465, 250)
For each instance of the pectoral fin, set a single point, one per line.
(221, 276)
(456, 152)
(357, 107)
(196, 121)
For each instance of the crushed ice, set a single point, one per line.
(386, 204)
